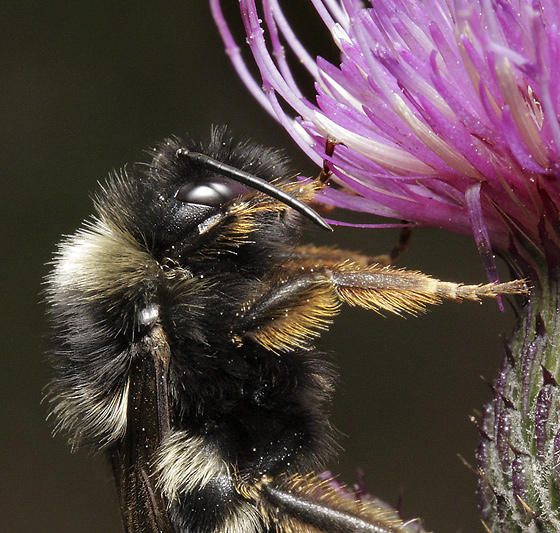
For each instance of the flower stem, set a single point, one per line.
(519, 450)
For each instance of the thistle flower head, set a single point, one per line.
(444, 113)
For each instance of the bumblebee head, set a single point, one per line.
(173, 204)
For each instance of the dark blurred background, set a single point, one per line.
(86, 87)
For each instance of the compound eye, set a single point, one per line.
(210, 193)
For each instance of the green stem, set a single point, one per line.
(519, 451)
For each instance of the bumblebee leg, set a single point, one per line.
(325, 174)
(309, 504)
(331, 256)
(290, 307)
(397, 251)
(325, 256)
(296, 302)
(385, 288)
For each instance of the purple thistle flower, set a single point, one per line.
(446, 115)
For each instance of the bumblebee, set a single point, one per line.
(184, 316)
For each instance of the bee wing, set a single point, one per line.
(143, 507)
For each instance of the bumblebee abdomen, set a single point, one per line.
(101, 290)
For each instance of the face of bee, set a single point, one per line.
(184, 317)
(174, 202)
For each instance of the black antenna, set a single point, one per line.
(254, 182)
